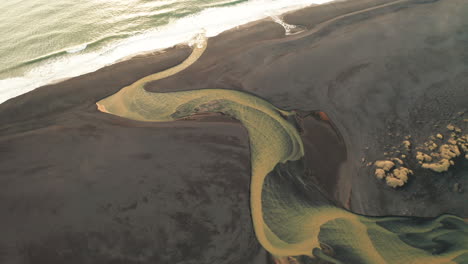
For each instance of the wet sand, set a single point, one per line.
(80, 186)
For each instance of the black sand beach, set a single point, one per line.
(81, 186)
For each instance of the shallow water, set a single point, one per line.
(44, 41)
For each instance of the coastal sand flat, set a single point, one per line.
(400, 69)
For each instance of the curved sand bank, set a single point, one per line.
(285, 223)
(79, 186)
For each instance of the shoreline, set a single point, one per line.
(67, 165)
(326, 11)
(118, 52)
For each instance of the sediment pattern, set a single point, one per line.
(291, 217)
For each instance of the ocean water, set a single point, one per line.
(46, 41)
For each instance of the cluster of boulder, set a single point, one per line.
(435, 154)
(393, 175)
(439, 157)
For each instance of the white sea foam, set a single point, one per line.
(288, 28)
(77, 48)
(212, 21)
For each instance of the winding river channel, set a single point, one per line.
(290, 218)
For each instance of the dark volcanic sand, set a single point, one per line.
(400, 69)
(80, 186)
